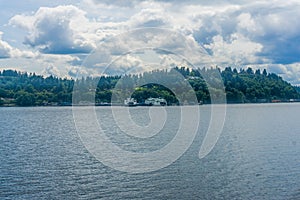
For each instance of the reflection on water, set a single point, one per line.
(257, 156)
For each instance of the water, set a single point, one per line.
(256, 157)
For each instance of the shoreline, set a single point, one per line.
(142, 105)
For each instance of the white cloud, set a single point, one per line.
(51, 70)
(53, 64)
(171, 61)
(126, 64)
(61, 29)
(290, 73)
(238, 50)
(150, 18)
(7, 51)
(247, 23)
(275, 25)
(5, 48)
(234, 32)
(119, 3)
(45, 64)
(76, 72)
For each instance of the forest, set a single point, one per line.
(174, 85)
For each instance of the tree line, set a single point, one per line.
(175, 85)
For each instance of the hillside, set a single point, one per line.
(243, 86)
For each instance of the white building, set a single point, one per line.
(155, 102)
(130, 102)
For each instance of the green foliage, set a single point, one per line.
(25, 89)
(297, 88)
(245, 86)
(155, 91)
(25, 99)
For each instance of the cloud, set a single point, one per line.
(170, 61)
(7, 51)
(76, 72)
(58, 30)
(238, 50)
(5, 48)
(276, 26)
(120, 3)
(234, 32)
(51, 64)
(149, 43)
(150, 18)
(273, 24)
(81, 71)
(290, 72)
(51, 70)
(126, 64)
(48, 58)
(131, 3)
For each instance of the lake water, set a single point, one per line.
(256, 157)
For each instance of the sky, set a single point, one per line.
(69, 37)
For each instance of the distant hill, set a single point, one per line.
(243, 86)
